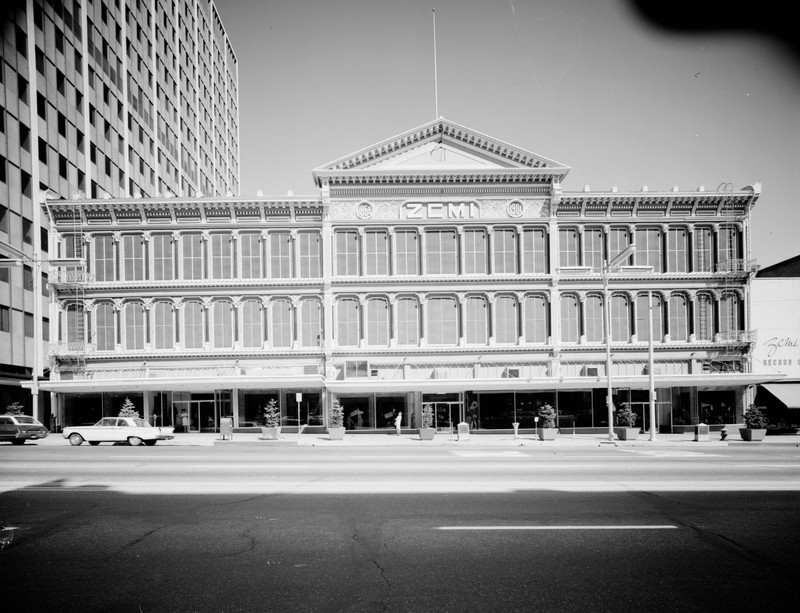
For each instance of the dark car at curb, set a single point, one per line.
(17, 429)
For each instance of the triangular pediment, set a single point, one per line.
(440, 147)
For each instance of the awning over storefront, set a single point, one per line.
(185, 384)
(787, 393)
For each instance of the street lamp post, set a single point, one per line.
(650, 369)
(626, 253)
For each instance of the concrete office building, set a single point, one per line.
(440, 267)
(101, 99)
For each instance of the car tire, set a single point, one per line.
(150, 443)
(94, 443)
(134, 441)
(75, 439)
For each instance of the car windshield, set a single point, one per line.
(24, 419)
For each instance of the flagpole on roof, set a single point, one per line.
(435, 72)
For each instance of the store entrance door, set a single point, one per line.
(195, 415)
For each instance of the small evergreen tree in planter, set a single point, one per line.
(128, 409)
(626, 424)
(427, 431)
(271, 418)
(547, 428)
(336, 421)
(755, 425)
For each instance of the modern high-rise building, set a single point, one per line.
(101, 99)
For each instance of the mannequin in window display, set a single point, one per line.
(398, 421)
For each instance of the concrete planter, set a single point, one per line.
(426, 434)
(336, 434)
(270, 433)
(752, 434)
(547, 434)
(626, 434)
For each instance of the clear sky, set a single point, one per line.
(588, 83)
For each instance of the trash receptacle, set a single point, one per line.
(701, 433)
(226, 428)
(463, 431)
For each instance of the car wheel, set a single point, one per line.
(94, 442)
(134, 441)
(18, 441)
(150, 443)
(75, 439)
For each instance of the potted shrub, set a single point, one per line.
(626, 429)
(427, 430)
(546, 429)
(755, 423)
(128, 409)
(271, 418)
(336, 421)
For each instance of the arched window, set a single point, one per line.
(104, 258)
(442, 321)
(620, 318)
(595, 327)
(568, 248)
(703, 248)
(505, 251)
(75, 323)
(252, 323)
(407, 321)
(506, 318)
(376, 245)
(728, 247)
(347, 253)
(193, 337)
(536, 319)
(250, 246)
(105, 327)
(477, 323)
(649, 248)
(134, 326)
(677, 250)
(348, 325)
(570, 330)
(280, 255)
(729, 313)
(377, 322)
(309, 255)
(441, 255)
(407, 256)
(281, 323)
(475, 251)
(678, 318)
(594, 248)
(704, 317)
(222, 313)
(310, 323)
(643, 318)
(163, 256)
(133, 257)
(192, 258)
(164, 325)
(534, 251)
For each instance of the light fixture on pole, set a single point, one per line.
(621, 257)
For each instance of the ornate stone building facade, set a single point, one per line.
(439, 267)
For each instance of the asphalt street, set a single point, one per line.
(291, 528)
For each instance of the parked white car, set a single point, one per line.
(131, 430)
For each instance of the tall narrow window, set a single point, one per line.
(620, 318)
(103, 258)
(133, 257)
(377, 252)
(252, 328)
(281, 323)
(280, 255)
(477, 321)
(644, 312)
(678, 329)
(648, 248)
(506, 320)
(134, 326)
(677, 250)
(536, 319)
(105, 327)
(570, 316)
(704, 317)
(441, 252)
(250, 245)
(534, 251)
(223, 324)
(594, 249)
(618, 241)
(505, 251)
(595, 327)
(193, 337)
(729, 313)
(568, 250)
(163, 268)
(377, 322)
(310, 252)
(407, 257)
(407, 321)
(729, 248)
(442, 321)
(164, 325)
(475, 252)
(221, 256)
(76, 325)
(348, 325)
(192, 256)
(703, 250)
(347, 253)
(310, 323)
